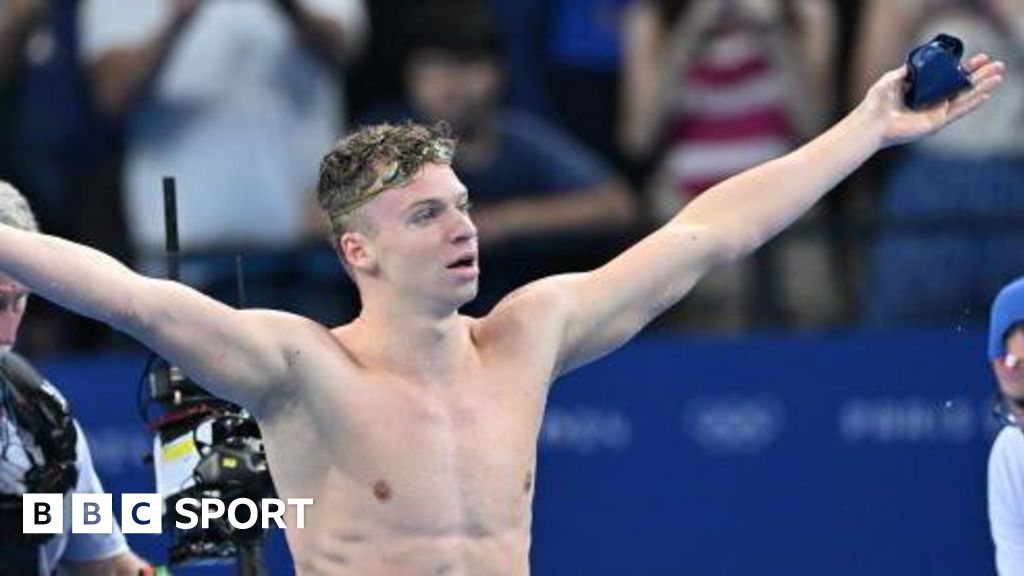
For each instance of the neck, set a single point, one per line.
(412, 340)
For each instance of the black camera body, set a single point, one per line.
(205, 447)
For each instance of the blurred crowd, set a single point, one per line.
(583, 125)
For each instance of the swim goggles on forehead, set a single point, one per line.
(395, 174)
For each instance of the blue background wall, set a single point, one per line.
(845, 454)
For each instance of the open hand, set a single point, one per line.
(902, 124)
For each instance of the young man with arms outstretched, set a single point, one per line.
(413, 428)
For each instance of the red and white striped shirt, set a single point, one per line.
(732, 113)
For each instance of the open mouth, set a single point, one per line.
(464, 263)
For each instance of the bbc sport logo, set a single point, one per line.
(141, 513)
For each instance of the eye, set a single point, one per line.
(465, 207)
(424, 214)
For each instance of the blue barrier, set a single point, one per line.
(844, 454)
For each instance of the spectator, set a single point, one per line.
(1006, 460)
(49, 139)
(52, 144)
(712, 88)
(235, 99)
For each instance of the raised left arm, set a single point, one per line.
(602, 309)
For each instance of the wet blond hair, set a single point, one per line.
(372, 160)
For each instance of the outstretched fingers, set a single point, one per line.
(985, 79)
(975, 62)
(987, 71)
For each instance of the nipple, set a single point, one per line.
(382, 491)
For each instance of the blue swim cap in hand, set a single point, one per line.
(934, 72)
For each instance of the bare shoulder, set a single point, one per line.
(304, 336)
(304, 344)
(532, 318)
(286, 326)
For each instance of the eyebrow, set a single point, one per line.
(460, 197)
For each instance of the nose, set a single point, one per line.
(462, 228)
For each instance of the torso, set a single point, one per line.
(410, 477)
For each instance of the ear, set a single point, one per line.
(356, 251)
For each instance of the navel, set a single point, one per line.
(528, 482)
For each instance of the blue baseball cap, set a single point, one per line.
(1007, 310)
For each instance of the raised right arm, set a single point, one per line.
(235, 354)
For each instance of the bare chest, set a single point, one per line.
(430, 460)
(469, 450)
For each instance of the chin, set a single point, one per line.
(467, 296)
(464, 295)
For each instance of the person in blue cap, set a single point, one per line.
(1006, 461)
